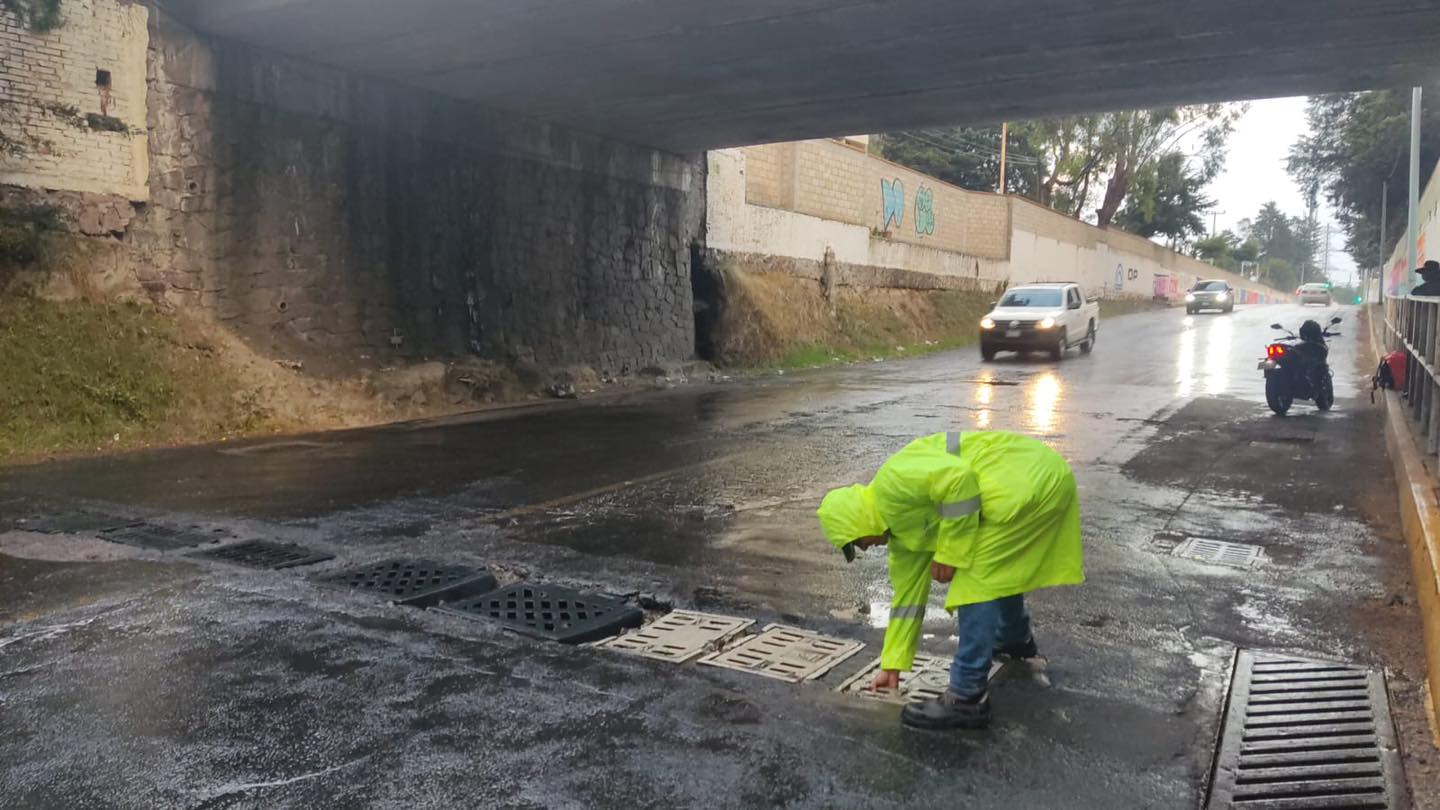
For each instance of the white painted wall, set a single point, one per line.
(736, 226)
(1044, 245)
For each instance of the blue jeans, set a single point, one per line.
(983, 627)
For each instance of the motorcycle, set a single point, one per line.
(1298, 369)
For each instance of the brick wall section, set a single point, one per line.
(832, 181)
(42, 73)
(769, 175)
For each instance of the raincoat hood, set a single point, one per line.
(848, 514)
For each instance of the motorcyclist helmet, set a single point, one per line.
(1311, 332)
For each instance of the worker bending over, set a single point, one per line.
(992, 513)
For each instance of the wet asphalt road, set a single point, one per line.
(135, 678)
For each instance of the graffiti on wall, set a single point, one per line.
(924, 211)
(892, 192)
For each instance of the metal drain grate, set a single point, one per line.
(679, 636)
(786, 653)
(1301, 733)
(1203, 549)
(80, 522)
(160, 538)
(550, 612)
(415, 583)
(265, 555)
(929, 677)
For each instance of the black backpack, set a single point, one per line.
(1384, 378)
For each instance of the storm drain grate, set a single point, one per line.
(160, 538)
(679, 636)
(550, 612)
(929, 677)
(1301, 733)
(785, 653)
(415, 583)
(70, 523)
(264, 555)
(1203, 549)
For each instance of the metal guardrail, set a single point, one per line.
(1412, 324)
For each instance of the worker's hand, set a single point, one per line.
(886, 679)
(942, 572)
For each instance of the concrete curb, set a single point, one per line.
(1420, 520)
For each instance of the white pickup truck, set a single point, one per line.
(1040, 317)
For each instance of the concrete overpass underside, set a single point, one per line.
(686, 75)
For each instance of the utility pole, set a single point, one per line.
(1380, 268)
(1412, 234)
(1004, 149)
(1327, 251)
(1213, 215)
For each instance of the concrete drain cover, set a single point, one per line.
(160, 538)
(679, 636)
(928, 679)
(1203, 549)
(264, 555)
(550, 612)
(415, 583)
(786, 653)
(1301, 733)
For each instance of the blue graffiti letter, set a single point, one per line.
(893, 191)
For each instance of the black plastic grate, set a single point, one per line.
(1301, 733)
(160, 538)
(415, 583)
(551, 613)
(264, 555)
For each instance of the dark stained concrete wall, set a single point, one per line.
(335, 217)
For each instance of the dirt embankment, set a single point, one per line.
(776, 319)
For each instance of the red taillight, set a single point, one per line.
(1276, 351)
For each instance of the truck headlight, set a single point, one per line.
(1045, 323)
(987, 322)
(1189, 296)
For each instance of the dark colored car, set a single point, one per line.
(1210, 295)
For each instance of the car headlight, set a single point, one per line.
(1045, 323)
(1221, 297)
(987, 322)
(1189, 296)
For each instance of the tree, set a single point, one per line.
(1284, 245)
(1218, 250)
(1357, 142)
(1135, 140)
(1167, 199)
(964, 156)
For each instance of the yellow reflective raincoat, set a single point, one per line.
(998, 507)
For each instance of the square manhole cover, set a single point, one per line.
(264, 555)
(679, 636)
(786, 653)
(1304, 733)
(929, 678)
(1219, 552)
(415, 583)
(160, 538)
(550, 612)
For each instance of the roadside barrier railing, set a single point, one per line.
(1412, 325)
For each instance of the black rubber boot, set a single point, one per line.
(948, 712)
(1025, 649)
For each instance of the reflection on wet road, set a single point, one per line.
(703, 497)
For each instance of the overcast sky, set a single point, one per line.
(1255, 174)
